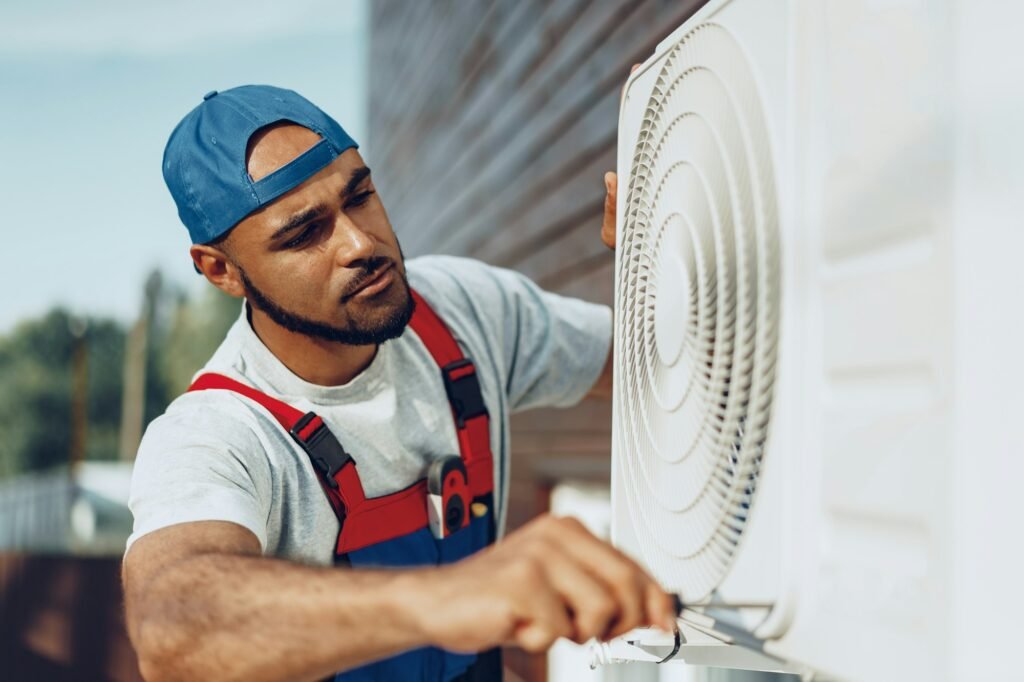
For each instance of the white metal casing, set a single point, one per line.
(882, 528)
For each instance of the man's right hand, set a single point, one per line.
(551, 578)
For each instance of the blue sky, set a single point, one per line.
(90, 92)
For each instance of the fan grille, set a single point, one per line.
(697, 296)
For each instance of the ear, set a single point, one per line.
(216, 267)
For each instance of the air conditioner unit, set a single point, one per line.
(818, 340)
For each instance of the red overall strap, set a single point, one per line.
(342, 487)
(383, 518)
(472, 423)
(366, 522)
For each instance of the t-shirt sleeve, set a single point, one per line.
(553, 347)
(199, 463)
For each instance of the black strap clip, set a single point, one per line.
(463, 392)
(324, 450)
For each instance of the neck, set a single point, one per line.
(318, 361)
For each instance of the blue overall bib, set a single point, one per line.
(395, 530)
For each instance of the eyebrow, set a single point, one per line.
(304, 216)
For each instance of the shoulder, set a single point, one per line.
(202, 461)
(451, 275)
(464, 287)
(473, 298)
(210, 412)
(206, 438)
(201, 428)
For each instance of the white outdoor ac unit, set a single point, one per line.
(819, 347)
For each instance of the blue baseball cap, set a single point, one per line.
(204, 160)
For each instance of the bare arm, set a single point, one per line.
(202, 604)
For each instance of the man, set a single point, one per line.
(301, 512)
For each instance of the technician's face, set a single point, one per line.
(321, 260)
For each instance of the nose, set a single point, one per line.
(351, 244)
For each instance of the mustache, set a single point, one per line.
(373, 267)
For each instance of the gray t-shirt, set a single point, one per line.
(215, 455)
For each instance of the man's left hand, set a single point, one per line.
(611, 185)
(608, 226)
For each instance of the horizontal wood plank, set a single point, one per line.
(491, 127)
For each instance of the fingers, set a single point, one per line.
(592, 609)
(622, 93)
(550, 579)
(659, 602)
(611, 184)
(558, 580)
(625, 581)
(544, 618)
(639, 598)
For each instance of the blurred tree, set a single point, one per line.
(36, 374)
(35, 391)
(195, 329)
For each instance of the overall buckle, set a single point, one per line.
(324, 450)
(463, 389)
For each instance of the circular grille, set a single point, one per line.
(697, 307)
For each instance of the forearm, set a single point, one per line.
(229, 617)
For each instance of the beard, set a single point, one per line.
(389, 323)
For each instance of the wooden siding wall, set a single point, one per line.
(492, 124)
(61, 620)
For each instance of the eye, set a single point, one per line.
(359, 199)
(304, 236)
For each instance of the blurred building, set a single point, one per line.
(62, 533)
